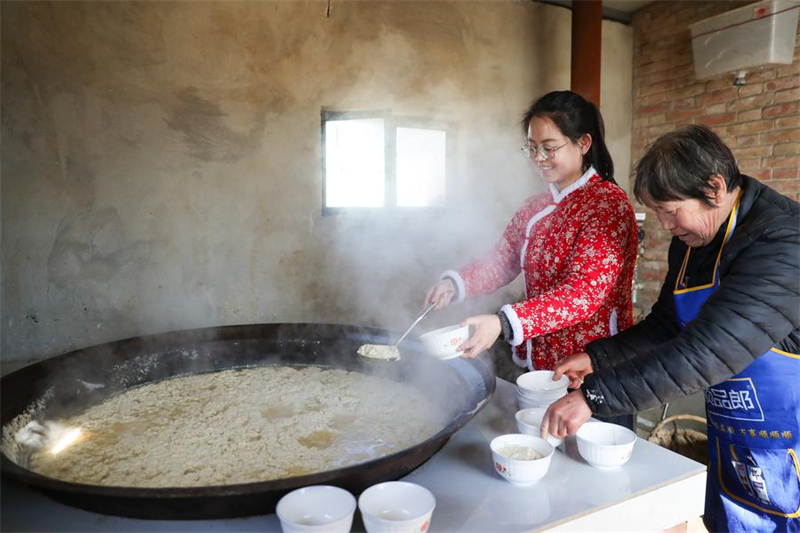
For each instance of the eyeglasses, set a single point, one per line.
(544, 152)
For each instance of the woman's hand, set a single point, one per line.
(441, 293)
(575, 367)
(565, 416)
(487, 329)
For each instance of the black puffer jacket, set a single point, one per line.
(755, 308)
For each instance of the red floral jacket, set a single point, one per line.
(576, 249)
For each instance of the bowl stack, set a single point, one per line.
(529, 422)
(537, 389)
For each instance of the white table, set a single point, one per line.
(655, 490)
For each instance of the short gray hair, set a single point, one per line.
(680, 164)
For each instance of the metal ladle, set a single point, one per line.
(390, 352)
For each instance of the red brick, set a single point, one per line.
(721, 95)
(664, 19)
(787, 95)
(659, 87)
(654, 245)
(686, 13)
(779, 136)
(655, 77)
(750, 114)
(786, 173)
(746, 140)
(687, 91)
(655, 66)
(788, 70)
(716, 120)
(749, 164)
(659, 33)
(754, 151)
(684, 103)
(685, 69)
(655, 108)
(673, 116)
(716, 108)
(751, 102)
(750, 127)
(658, 131)
(642, 18)
(783, 83)
(717, 84)
(788, 122)
(658, 54)
(786, 186)
(758, 76)
(786, 149)
(761, 174)
(782, 110)
(653, 99)
(751, 89)
(783, 162)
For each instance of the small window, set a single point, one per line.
(420, 167)
(375, 162)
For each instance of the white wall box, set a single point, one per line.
(751, 36)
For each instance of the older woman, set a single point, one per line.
(727, 321)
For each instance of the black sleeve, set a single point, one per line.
(756, 306)
(658, 326)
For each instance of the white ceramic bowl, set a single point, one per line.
(526, 403)
(442, 343)
(396, 507)
(529, 422)
(520, 472)
(605, 445)
(540, 387)
(316, 508)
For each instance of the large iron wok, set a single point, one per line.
(67, 384)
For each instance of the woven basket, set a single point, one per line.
(671, 434)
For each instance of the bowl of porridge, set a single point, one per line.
(521, 459)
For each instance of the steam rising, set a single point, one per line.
(159, 237)
(196, 200)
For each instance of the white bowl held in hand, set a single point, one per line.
(521, 471)
(605, 445)
(529, 422)
(316, 508)
(540, 387)
(396, 507)
(442, 343)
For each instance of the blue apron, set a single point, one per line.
(753, 430)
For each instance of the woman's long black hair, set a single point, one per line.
(575, 116)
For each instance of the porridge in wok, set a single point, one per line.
(238, 426)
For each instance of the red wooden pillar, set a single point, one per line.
(587, 31)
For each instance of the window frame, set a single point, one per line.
(390, 124)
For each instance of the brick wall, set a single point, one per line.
(760, 120)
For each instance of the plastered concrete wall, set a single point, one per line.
(161, 163)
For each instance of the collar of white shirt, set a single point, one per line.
(560, 195)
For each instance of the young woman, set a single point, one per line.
(574, 244)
